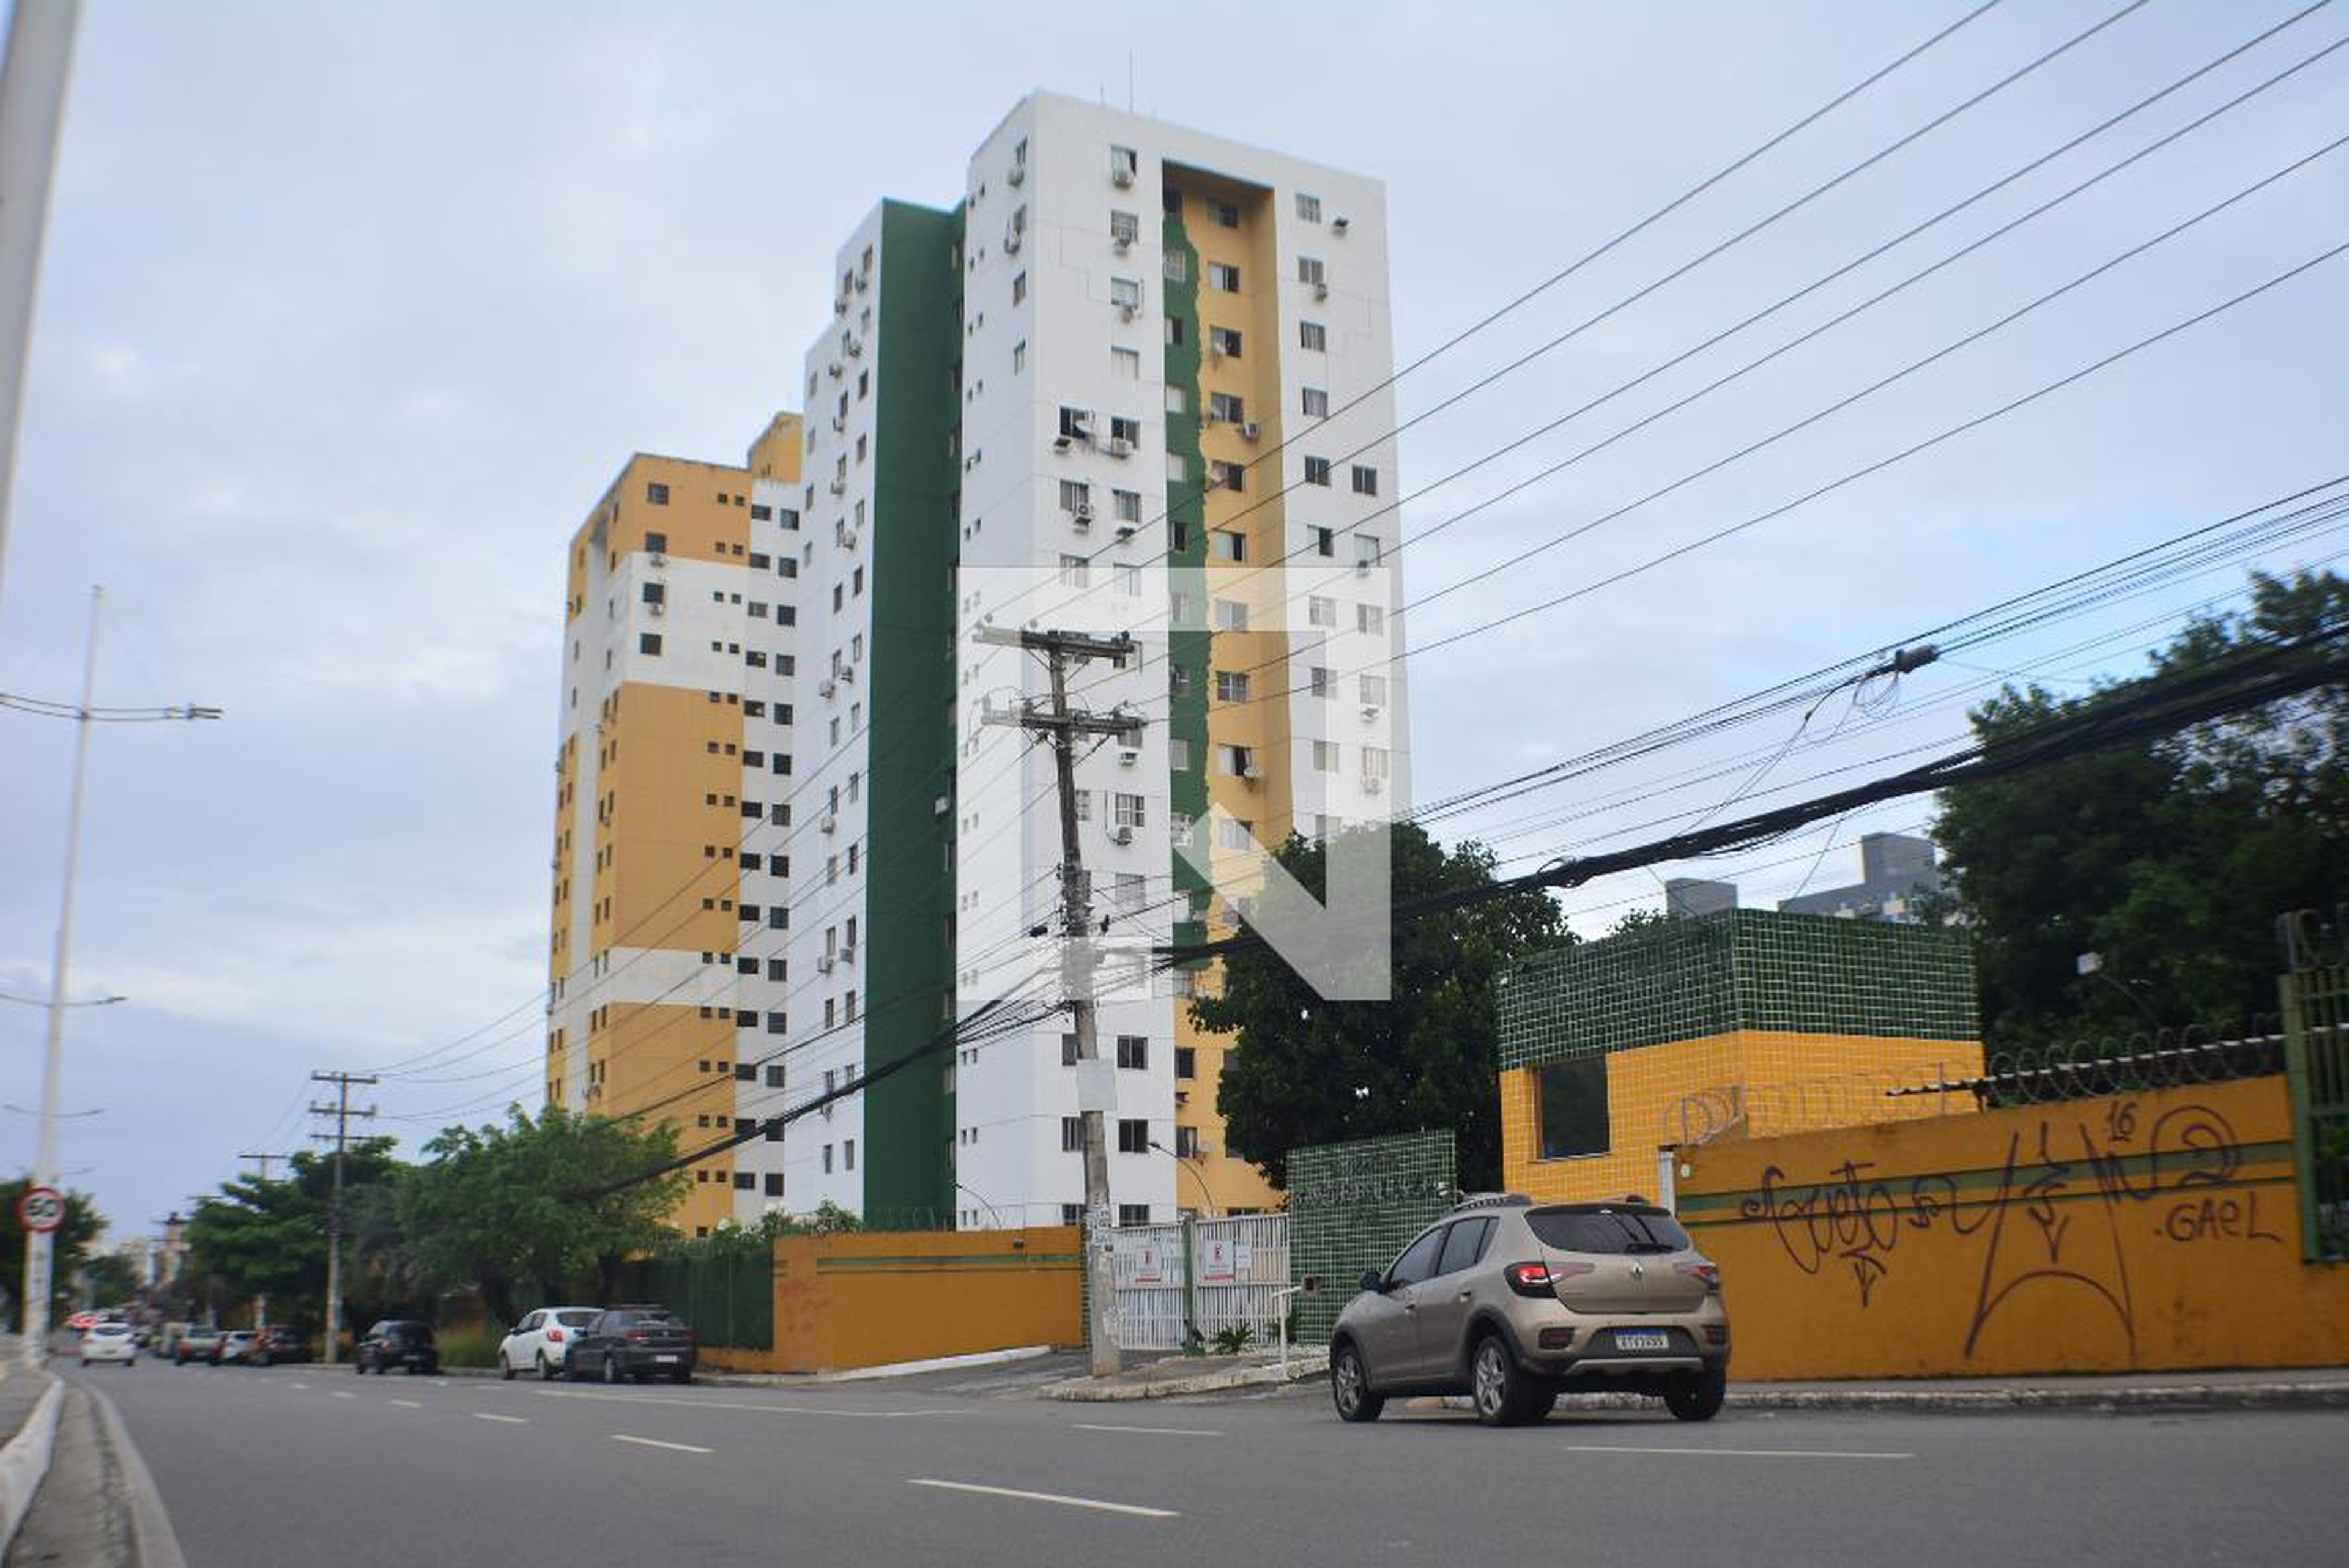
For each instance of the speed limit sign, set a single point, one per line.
(42, 1209)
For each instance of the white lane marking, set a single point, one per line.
(658, 1443)
(439, 1382)
(1154, 1432)
(509, 1420)
(741, 1405)
(1735, 1453)
(340, 1394)
(1092, 1503)
(409, 1403)
(297, 1384)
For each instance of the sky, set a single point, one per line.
(349, 313)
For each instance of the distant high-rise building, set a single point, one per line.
(1894, 869)
(1694, 895)
(1135, 382)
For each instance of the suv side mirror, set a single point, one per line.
(1375, 1283)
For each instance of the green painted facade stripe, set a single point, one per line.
(913, 546)
(2081, 1178)
(1054, 1263)
(1186, 515)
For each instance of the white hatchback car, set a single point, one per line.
(541, 1340)
(109, 1342)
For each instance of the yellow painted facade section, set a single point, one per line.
(868, 1300)
(776, 454)
(1257, 518)
(1743, 1083)
(2155, 1232)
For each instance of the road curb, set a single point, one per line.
(24, 1462)
(2182, 1396)
(1083, 1390)
(153, 1542)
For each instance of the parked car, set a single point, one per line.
(398, 1342)
(197, 1343)
(237, 1348)
(639, 1342)
(1513, 1303)
(542, 1339)
(280, 1342)
(109, 1342)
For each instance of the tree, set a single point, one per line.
(2171, 859)
(503, 1209)
(268, 1236)
(1304, 1071)
(82, 1226)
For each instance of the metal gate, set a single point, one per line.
(1232, 1274)
(2316, 1043)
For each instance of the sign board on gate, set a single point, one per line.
(1144, 1263)
(1215, 1262)
(41, 1209)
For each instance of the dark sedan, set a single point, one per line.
(398, 1342)
(280, 1344)
(639, 1342)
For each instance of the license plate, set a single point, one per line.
(1642, 1339)
(664, 1358)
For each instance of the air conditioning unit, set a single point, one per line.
(823, 964)
(1371, 710)
(657, 558)
(1320, 290)
(657, 607)
(1120, 176)
(1121, 834)
(1338, 224)
(1062, 443)
(1082, 513)
(1119, 446)
(941, 806)
(1250, 431)
(864, 279)
(1251, 773)
(848, 537)
(1373, 786)
(1126, 530)
(828, 823)
(840, 421)
(1361, 569)
(832, 370)
(852, 347)
(1016, 176)
(1010, 242)
(848, 674)
(1128, 312)
(1121, 242)
(839, 486)
(1127, 756)
(828, 688)
(1215, 349)
(848, 953)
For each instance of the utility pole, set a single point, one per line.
(1063, 728)
(32, 108)
(342, 1113)
(261, 1298)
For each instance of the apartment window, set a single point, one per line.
(1124, 429)
(1132, 1138)
(1325, 542)
(1374, 763)
(648, 643)
(1227, 476)
(1325, 757)
(1125, 294)
(827, 1159)
(1125, 364)
(1076, 424)
(1324, 681)
(1308, 208)
(774, 1188)
(1018, 356)
(1178, 754)
(1072, 1134)
(1231, 686)
(1133, 1052)
(1223, 215)
(1074, 493)
(1225, 546)
(1370, 618)
(1126, 811)
(1317, 471)
(1018, 288)
(1234, 761)
(1129, 581)
(788, 519)
(1367, 552)
(1072, 1213)
(1320, 612)
(1309, 271)
(1176, 331)
(1124, 228)
(1075, 571)
(1187, 1062)
(1231, 616)
(1224, 340)
(1312, 334)
(1227, 406)
(1068, 1057)
(1177, 401)
(1374, 691)
(658, 495)
(1177, 268)
(1317, 402)
(1126, 504)
(1366, 479)
(1234, 833)
(1133, 1214)
(1178, 679)
(656, 593)
(1223, 276)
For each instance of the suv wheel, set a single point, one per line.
(1697, 1395)
(1503, 1393)
(1349, 1387)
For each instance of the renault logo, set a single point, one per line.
(1638, 1270)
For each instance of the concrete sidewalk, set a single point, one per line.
(1179, 1377)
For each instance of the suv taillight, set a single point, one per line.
(555, 1337)
(640, 1334)
(1542, 1279)
(1709, 1273)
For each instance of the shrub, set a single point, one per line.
(470, 1346)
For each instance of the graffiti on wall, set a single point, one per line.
(2053, 1213)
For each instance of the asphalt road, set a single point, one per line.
(301, 1466)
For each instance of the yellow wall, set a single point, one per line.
(2133, 1232)
(1747, 1082)
(870, 1300)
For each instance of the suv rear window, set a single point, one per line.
(1608, 1229)
(575, 1319)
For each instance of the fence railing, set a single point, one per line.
(726, 1294)
(1232, 1275)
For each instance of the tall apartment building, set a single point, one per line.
(1134, 382)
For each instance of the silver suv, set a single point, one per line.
(1513, 1303)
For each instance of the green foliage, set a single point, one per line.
(1303, 1071)
(82, 1225)
(269, 1237)
(2170, 859)
(503, 1209)
(468, 1346)
(1231, 1341)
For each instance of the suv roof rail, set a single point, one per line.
(1493, 1201)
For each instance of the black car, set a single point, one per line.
(640, 1341)
(280, 1344)
(396, 1342)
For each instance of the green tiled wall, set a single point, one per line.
(1351, 1208)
